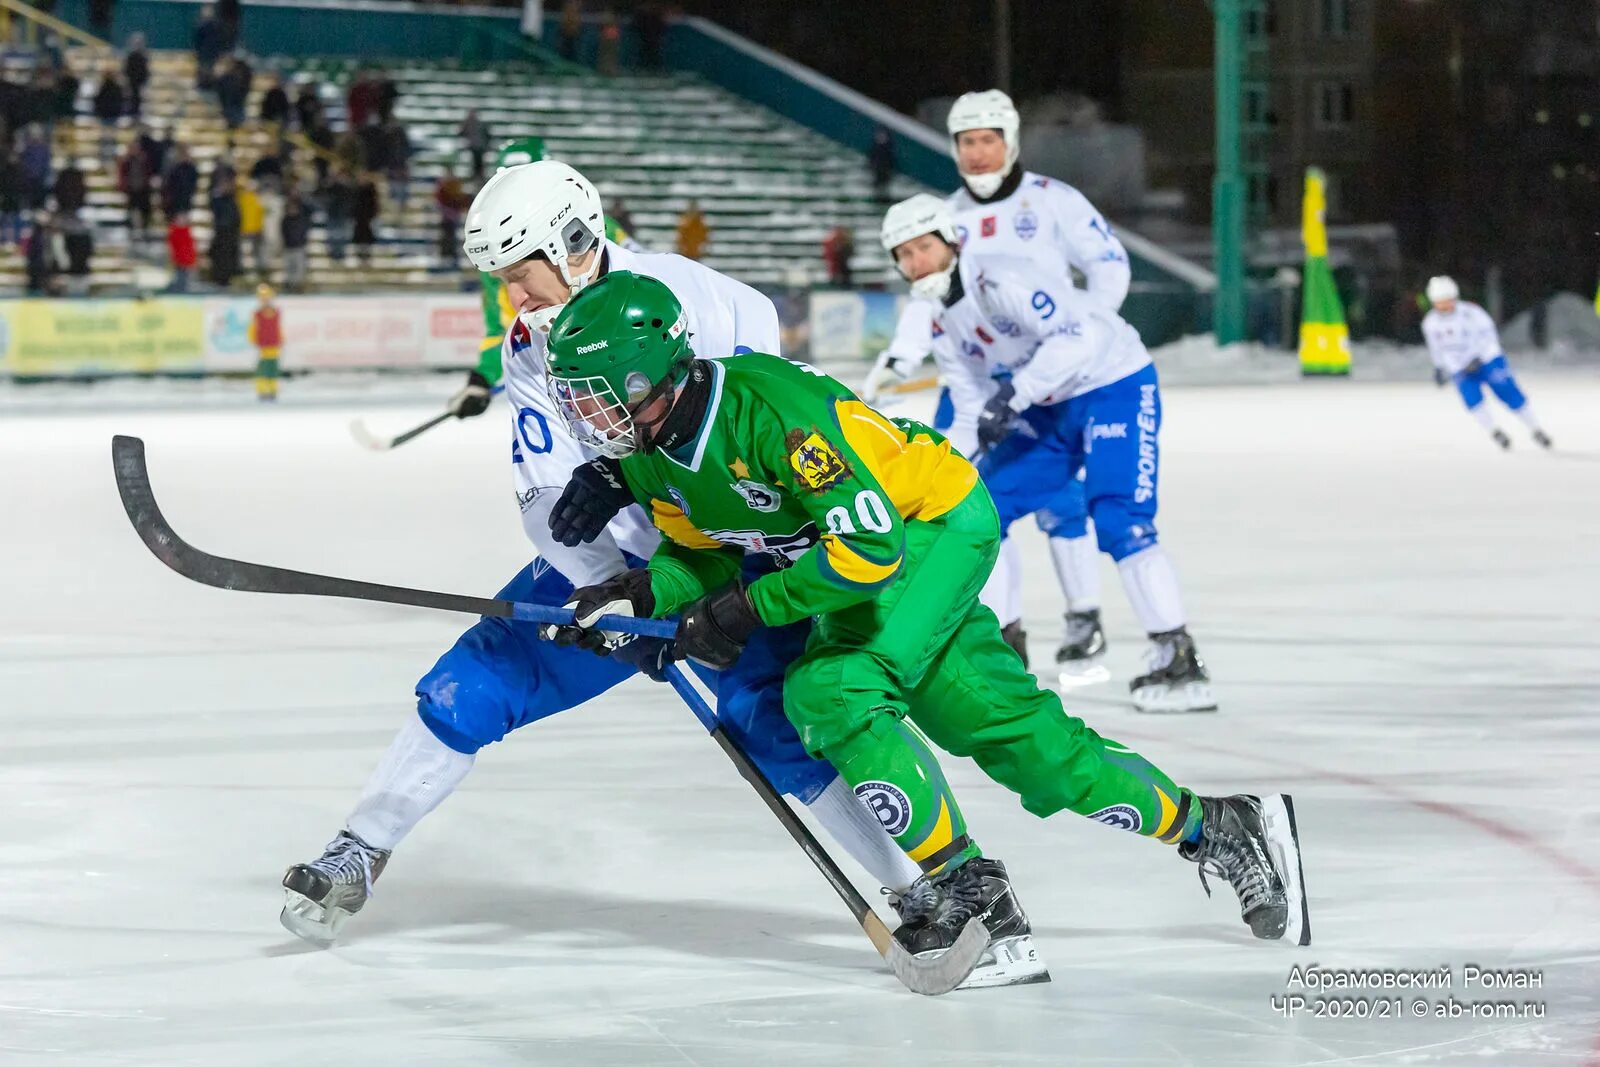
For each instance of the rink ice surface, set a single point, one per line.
(1401, 622)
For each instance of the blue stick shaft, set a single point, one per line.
(625, 624)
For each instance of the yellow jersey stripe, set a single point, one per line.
(670, 520)
(940, 837)
(850, 565)
(924, 478)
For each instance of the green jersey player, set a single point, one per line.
(883, 534)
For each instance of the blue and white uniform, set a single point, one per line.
(1465, 345)
(1088, 401)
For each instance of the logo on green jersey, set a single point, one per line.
(783, 548)
(758, 496)
(814, 460)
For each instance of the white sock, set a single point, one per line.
(858, 831)
(1002, 593)
(411, 779)
(1484, 416)
(1077, 561)
(1525, 413)
(1151, 583)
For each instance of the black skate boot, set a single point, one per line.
(980, 889)
(323, 894)
(1083, 646)
(1017, 638)
(1502, 439)
(916, 906)
(1254, 844)
(1176, 680)
(1542, 439)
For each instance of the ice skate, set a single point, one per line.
(1254, 843)
(1502, 439)
(979, 888)
(323, 894)
(1015, 636)
(1083, 645)
(1175, 679)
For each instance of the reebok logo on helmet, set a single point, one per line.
(594, 347)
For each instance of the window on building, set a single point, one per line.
(1334, 104)
(1258, 106)
(1334, 17)
(1263, 194)
(1261, 20)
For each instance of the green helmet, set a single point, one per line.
(516, 153)
(617, 346)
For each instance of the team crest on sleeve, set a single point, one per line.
(815, 462)
(1026, 223)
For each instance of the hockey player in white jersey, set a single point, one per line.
(1465, 348)
(1045, 381)
(539, 228)
(1005, 209)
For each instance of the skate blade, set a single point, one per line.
(1195, 696)
(1009, 961)
(1283, 843)
(310, 921)
(1076, 673)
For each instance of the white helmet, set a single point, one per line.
(545, 208)
(988, 110)
(920, 214)
(1443, 289)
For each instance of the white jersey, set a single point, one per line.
(724, 317)
(1044, 221)
(1014, 317)
(1456, 339)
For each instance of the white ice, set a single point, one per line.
(1402, 624)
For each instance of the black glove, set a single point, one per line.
(472, 399)
(650, 654)
(994, 421)
(591, 499)
(1474, 367)
(714, 628)
(628, 593)
(1439, 376)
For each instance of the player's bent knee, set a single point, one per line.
(1121, 535)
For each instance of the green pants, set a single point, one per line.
(924, 648)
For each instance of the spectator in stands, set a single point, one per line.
(35, 169)
(224, 254)
(252, 227)
(837, 248)
(453, 202)
(181, 253)
(224, 179)
(338, 206)
(361, 100)
(100, 17)
(365, 210)
(71, 189)
(66, 95)
(39, 256)
(571, 28)
(374, 146)
(229, 13)
(322, 137)
(650, 22)
(157, 147)
(397, 160)
(351, 149)
(210, 45)
(880, 160)
(295, 233)
(474, 134)
(233, 90)
(308, 111)
(608, 51)
(109, 102)
(136, 181)
(275, 104)
(78, 241)
(388, 96)
(693, 233)
(267, 174)
(621, 215)
(10, 195)
(179, 182)
(136, 69)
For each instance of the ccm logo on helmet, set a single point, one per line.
(474, 249)
(563, 213)
(592, 347)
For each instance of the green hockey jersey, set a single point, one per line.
(790, 464)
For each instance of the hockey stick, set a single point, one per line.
(927, 976)
(364, 436)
